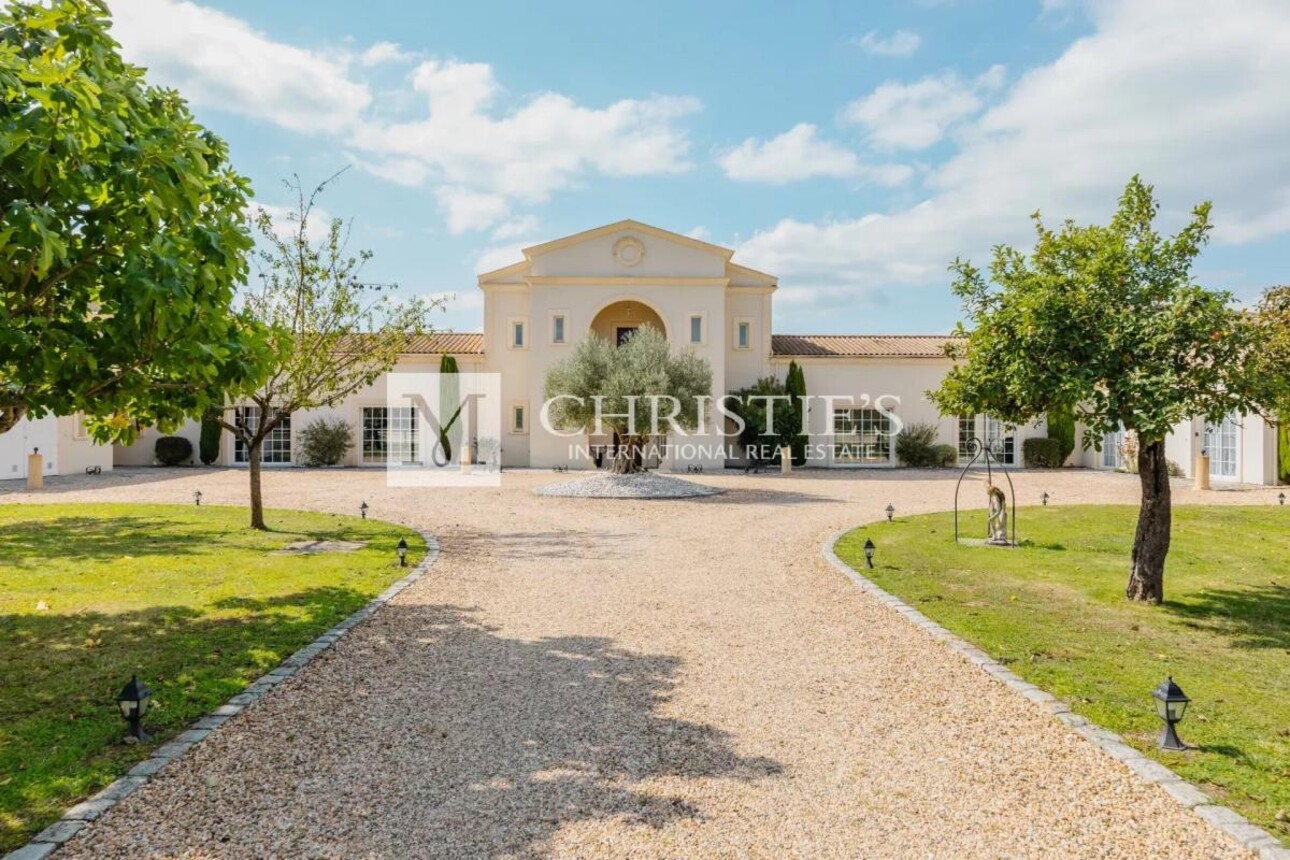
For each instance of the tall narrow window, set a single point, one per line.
(696, 328)
(1221, 443)
(518, 419)
(557, 328)
(517, 334)
(743, 335)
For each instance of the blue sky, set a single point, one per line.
(852, 149)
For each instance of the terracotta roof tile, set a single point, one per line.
(860, 346)
(449, 342)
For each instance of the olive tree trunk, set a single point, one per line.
(629, 455)
(9, 417)
(1151, 542)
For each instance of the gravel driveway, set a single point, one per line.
(618, 678)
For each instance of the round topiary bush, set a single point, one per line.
(174, 450)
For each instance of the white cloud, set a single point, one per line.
(385, 52)
(218, 61)
(800, 153)
(1193, 100)
(703, 234)
(500, 256)
(901, 43)
(917, 115)
(470, 210)
(545, 145)
(525, 225)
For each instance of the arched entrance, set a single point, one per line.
(617, 321)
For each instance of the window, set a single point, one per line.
(1220, 442)
(557, 328)
(743, 334)
(276, 447)
(1112, 450)
(517, 334)
(998, 437)
(389, 435)
(967, 431)
(696, 328)
(519, 418)
(861, 436)
(80, 432)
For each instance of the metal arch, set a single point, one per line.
(980, 448)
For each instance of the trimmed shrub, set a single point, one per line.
(325, 443)
(1061, 426)
(173, 450)
(208, 443)
(916, 445)
(1039, 453)
(946, 455)
(1174, 470)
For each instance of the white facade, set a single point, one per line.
(613, 279)
(64, 446)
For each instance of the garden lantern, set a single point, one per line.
(868, 553)
(891, 512)
(362, 509)
(1171, 704)
(1281, 497)
(133, 701)
(197, 497)
(1045, 498)
(402, 550)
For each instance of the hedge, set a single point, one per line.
(1039, 453)
(174, 450)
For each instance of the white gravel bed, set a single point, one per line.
(644, 679)
(644, 485)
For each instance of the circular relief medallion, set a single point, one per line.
(629, 251)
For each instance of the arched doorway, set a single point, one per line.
(617, 321)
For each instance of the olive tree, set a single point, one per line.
(122, 236)
(634, 391)
(1109, 321)
(332, 334)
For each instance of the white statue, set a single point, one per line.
(997, 525)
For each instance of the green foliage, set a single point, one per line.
(945, 455)
(188, 598)
(1041, 453)
(1053, 610)
(449, 404)
(1104, 317)
(121, 236)
(1061, 426)
(1271, 359)
(1283, 450)
(173, 450)
(795, 386)
(325, 442)
(916, 446)
(751, 404)
(209, 442)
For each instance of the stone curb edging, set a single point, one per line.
(76, 819)
(1250, 836)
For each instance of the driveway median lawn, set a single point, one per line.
(1054, 611)
(189, 598)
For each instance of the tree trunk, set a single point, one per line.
(1151, 542)
(9, 417)
(628, 455)
(253, 468)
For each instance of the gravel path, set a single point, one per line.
(646, 485)
(670, 679)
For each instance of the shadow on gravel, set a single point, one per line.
(440, 737)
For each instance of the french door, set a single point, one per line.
(1221, 442)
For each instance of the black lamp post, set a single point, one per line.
(891, 512)
(402, 550)
(197, 497)
(1171, 704)
(1281, 497)
(362, 509)
(868, 553)
(1045, 498)
(133, 701)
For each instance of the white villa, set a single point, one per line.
(616, 278)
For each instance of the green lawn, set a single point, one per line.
(1053, 610)
(189, 598)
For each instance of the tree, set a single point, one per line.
(642, 377)
(332, 334)
(795, 384)
(122, 236)
(769, 420)
(208, 441)
(1061, 427)
(449, 407)
(1271, 367)
(1108, 318)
